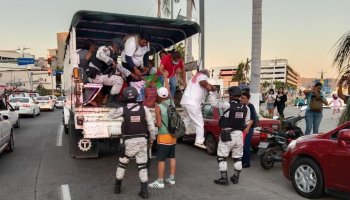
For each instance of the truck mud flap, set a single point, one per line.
(80, 147)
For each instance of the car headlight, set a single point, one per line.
(292, 145)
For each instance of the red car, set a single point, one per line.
(212, 129)
(320, 163)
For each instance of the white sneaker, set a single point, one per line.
(156, 184)
(170, 181)
(202, 146)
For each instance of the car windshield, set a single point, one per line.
(19, 100)
(61, 98)
(43, 98)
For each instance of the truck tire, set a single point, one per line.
(78, 147)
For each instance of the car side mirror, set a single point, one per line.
(12, 109)
(5, 117)
(344, 135)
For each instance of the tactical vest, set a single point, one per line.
(102, 66)
(134, 122)
(236, 118)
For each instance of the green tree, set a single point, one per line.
(180, 48)
(246, 69)
(164, 7)
(342, 63)
(278, 84)
(42, 90)
(240, 73)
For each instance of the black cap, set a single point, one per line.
(145, 36)
(117, 42)
(235, 91)
(130, 93)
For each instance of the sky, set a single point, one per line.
(302, 31)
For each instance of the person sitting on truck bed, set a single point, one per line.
(89, 48)
(104, 69)
(138, 122)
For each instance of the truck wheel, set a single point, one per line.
(307, 178)
(65, 129)
(266, 160)
(211, 144)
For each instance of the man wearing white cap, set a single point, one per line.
(165, 140)
(195, 92)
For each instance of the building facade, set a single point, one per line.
(279, 70)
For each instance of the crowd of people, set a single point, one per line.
(143, 85)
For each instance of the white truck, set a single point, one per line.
(87, 125)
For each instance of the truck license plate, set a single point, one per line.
(263, 145)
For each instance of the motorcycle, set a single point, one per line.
(271, 150)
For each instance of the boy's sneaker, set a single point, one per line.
(156, 184)
(170, 181)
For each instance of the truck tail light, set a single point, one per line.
(76, 73)
(80, 120)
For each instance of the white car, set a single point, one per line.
(7, 136)
(60, 102)
(34, 95)
(25, 106)
(53, 98)
(45, 103)
(9, 112)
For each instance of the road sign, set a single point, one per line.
(25, 61)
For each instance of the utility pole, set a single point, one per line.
(158, 11)
(256, 53)
(189, 40)
(201, 22)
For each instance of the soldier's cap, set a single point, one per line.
(130, 93)
(118, 43)
(163, 92)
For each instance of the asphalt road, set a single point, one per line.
(38, 169)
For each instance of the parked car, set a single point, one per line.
(45, 103)
(25, 106)
(212, 129)
(9, 112)
(320, 163)
(7, 136)
(60, 102)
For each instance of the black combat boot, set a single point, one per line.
(223, 180)
(235, 177)
(144, 191)
(117, 186)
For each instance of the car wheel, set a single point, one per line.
(53, 109)
(11, 144)
(211, 144)
(33, 115)
(307, 178)
(266, 160)
(18, 123)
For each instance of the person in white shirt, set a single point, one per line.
(134, 56)
(195, 92)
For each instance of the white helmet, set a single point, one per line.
(163, 92)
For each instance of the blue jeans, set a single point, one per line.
(313, 121)
(246, 147)
(172, 83)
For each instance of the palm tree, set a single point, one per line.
(240, 74)
(246, 70)
(342, 61)
(164, 7)
(256, 52)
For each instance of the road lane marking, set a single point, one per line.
(65, 192)
(59, 136)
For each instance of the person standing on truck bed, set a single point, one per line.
(89, 49)
(104, 69)
(195, 92)
(138, 122)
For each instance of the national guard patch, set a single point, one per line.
(239, 115)
(135, 119)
